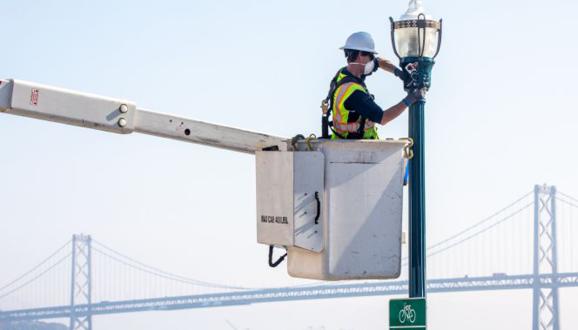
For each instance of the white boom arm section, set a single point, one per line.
(119, 116)
(305, 192)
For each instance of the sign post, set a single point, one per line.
(407, 314)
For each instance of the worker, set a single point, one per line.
(353, 108)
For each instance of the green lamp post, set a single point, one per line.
(416, 39)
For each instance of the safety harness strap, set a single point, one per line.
(357, 128)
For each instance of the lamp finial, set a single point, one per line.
(415, 8)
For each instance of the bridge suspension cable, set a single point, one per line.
(569, 203)
(61, 260)
(458, 238)
(567, 196)
(506, 218)
(481, 222)
(35, 267)
(137, 265)
(24, 279)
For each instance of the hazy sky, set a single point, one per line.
(501, 117)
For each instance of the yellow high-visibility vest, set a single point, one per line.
(340, 114)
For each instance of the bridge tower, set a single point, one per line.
(545, 311)
(81, 283)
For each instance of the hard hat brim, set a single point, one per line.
(360, 49)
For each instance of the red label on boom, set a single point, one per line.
(34, 96)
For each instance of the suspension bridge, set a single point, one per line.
(527, 245)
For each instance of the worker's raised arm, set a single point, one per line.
(364, 104)
(389, 67)
(386, 65)
(396, 110)
(392, 113)
(120, 116)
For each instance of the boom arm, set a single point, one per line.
(119, 116)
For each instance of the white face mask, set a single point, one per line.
(367, 68)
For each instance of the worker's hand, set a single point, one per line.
(414, 96)
(403, 75)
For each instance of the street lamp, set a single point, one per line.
(416, 39)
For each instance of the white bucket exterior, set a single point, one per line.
(362, 213)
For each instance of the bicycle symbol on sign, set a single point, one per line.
(407, 314)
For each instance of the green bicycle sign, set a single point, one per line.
(407, 313)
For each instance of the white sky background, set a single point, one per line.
(501, 117)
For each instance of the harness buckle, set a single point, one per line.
(325, 106)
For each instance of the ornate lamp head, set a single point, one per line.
(416, 34)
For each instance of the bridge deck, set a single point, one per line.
(499, 282)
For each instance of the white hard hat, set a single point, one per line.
(360, 41)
